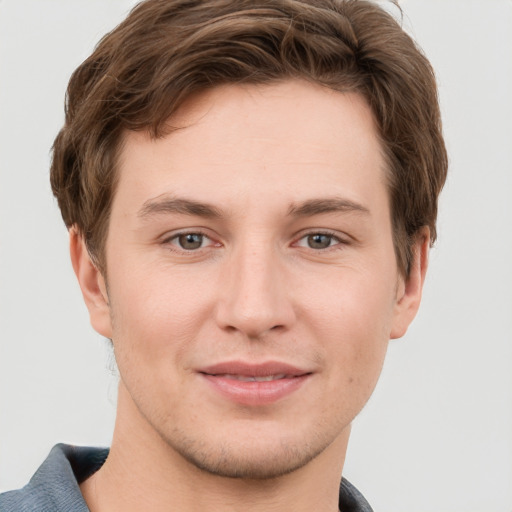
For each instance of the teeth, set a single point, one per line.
(269, 378)
(246, 378)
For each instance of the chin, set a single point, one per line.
(252, 461)
(229, 463)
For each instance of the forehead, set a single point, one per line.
(289, 140)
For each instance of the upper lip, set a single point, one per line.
(246, 369)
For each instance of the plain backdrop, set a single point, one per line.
(437, 434)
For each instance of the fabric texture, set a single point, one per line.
(55, 485)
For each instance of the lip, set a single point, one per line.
(233, 380)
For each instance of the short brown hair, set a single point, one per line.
(165, 50)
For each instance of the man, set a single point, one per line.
(251, 190)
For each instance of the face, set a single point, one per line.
(252, 282)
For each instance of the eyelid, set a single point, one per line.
(341, 239)
(168, 238)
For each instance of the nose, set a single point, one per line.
(254, 297)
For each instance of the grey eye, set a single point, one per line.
(319, 241)
(190, 241)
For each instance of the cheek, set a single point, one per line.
(352, 319)
(353, 301)
(155, 315)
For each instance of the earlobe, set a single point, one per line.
(410, 289)
(91, 283)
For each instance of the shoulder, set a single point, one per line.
(55, 485)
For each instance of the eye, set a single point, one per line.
(190, 241)
(318, 241)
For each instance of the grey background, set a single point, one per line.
(437, 434)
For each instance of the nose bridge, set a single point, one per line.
(254, 298)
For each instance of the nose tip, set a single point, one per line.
(254, 299)
(253, 324)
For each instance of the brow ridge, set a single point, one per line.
(166, 204)
(326, 205)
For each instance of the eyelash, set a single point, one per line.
(339, 242)
(334, 237)
(168, 241)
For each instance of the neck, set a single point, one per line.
(142, 472)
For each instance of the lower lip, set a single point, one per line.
(255, 393)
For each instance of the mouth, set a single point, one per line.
(254, 378)
(254, 384)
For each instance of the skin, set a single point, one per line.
(297, 266)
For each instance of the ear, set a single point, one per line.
(410, 288)
(92, 284)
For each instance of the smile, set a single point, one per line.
(254, 384)
(254, 378)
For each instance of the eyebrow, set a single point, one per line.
(166, 204)
(326, 205)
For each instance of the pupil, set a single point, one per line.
(319, 241)
(191, 241)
